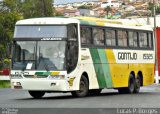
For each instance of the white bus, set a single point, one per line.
(81, 56)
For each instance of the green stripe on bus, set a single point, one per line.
(42, 73)
(87, 22)
(105, 67)
(98, 68)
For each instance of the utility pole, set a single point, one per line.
(156, 47)
(44, 9)
(148, 21)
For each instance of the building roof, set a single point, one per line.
(72, 1)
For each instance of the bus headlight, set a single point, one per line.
(16, 77)
(56, 76)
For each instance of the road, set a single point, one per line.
(149, 97)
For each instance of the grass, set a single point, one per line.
(5, 84)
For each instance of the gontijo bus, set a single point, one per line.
(81, 56)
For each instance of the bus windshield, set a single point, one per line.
(39, 55)
(40, 31)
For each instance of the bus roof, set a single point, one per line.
(83, 21)
(96, 21)
(111, 23)
(47, 20)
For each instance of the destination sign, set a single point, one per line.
(51, 39)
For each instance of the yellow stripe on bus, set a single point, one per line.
(55, 73)
(120, 71)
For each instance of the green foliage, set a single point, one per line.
(84, 7)
(12, 5)
(59, 14)
(6, 63)
(108, 9)
(158, 10)
(8, 17)
(5, 84)
(7, 23)
(37, 8)
(13, 10)
(150, 6)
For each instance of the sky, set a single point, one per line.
(69, 1)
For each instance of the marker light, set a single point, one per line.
(56, 76)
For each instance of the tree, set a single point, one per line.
(13, 10)
(8, 18)
(158, 10)
(37, 8)
(107, 10)
(150, 7)
(84, 7)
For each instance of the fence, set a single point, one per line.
(4, 74)
(4, 77)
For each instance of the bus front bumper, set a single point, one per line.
(39, 84)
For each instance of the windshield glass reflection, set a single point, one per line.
(39, 55)
(51, 55)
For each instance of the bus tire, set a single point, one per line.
(131, 84)
(137, 85)
(130, 88)
(122, 90)
(37, 94)
(95, 91)
(83, 88)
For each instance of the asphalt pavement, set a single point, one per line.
(149, 97)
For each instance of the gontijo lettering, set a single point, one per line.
(127, 56)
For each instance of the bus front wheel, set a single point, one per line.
(37, 94)
(83, 88)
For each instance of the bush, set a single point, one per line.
(5, 84)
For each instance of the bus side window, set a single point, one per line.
(86, 35)
(133, 39)
(110, 37)
(122, 38)
(143, 39)
(150, 40)
(98, 36)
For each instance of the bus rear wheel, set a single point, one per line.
(37, 94)
(131, 86)
(83, 88)
(137, 85)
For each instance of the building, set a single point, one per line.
(111, 3)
